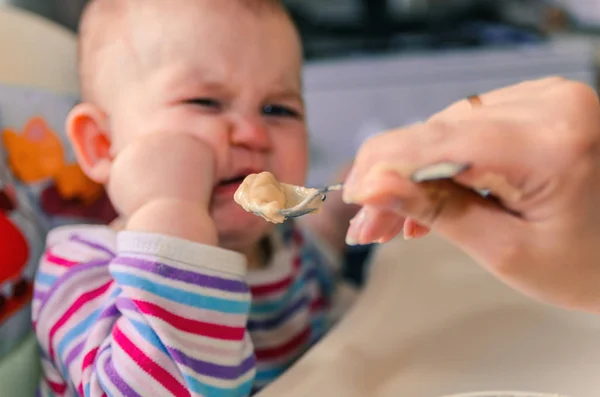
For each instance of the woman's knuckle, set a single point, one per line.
(578, 95)
(554, 80)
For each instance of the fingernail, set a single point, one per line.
(355, 229)
(443, 170)
(351, 178)
(348, 186)
(409, 230)
(347, 196)
(420, 231)
(350, 241)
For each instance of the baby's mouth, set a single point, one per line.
(233, 181)
(239, 176)
(230, 185)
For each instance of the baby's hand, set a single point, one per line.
(162, 183)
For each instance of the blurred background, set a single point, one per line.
(341, 26)
(377, 64)
(372, 65)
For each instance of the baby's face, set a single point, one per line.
(231, 77)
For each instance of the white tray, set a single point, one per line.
(432, 323)
(504, 394)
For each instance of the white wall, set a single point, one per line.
(351, 99)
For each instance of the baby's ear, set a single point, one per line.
(87, 128)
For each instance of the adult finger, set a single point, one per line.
(412, 229)
(501, 156)
(371, 224)
(480, 227)
(381, 177)
(511, 95)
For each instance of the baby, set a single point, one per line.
(182, 99)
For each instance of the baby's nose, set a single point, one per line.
(251, 133)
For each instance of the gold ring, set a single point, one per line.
(474, 100)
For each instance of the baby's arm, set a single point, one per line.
(158, 316)
(160, 312)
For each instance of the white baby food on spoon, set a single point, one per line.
(264, 196)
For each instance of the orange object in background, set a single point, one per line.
(36, 154)
(73, 184)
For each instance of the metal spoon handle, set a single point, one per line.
(443, 170)
(331, 188)
(302, 209)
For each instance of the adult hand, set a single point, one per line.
(535, 146)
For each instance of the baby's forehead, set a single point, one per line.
(212, 50)
(191, 37)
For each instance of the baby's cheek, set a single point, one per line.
(292, 170)
(214, 132)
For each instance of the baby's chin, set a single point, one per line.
(238, 229)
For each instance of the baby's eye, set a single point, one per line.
(280, 111)
(205, 102)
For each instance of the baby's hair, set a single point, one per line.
(102, 21)
(99, 22)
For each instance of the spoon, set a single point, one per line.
(302, 208)
(443, 170)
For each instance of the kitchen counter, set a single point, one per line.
(431, 322)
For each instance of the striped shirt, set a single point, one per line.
(137, 314)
